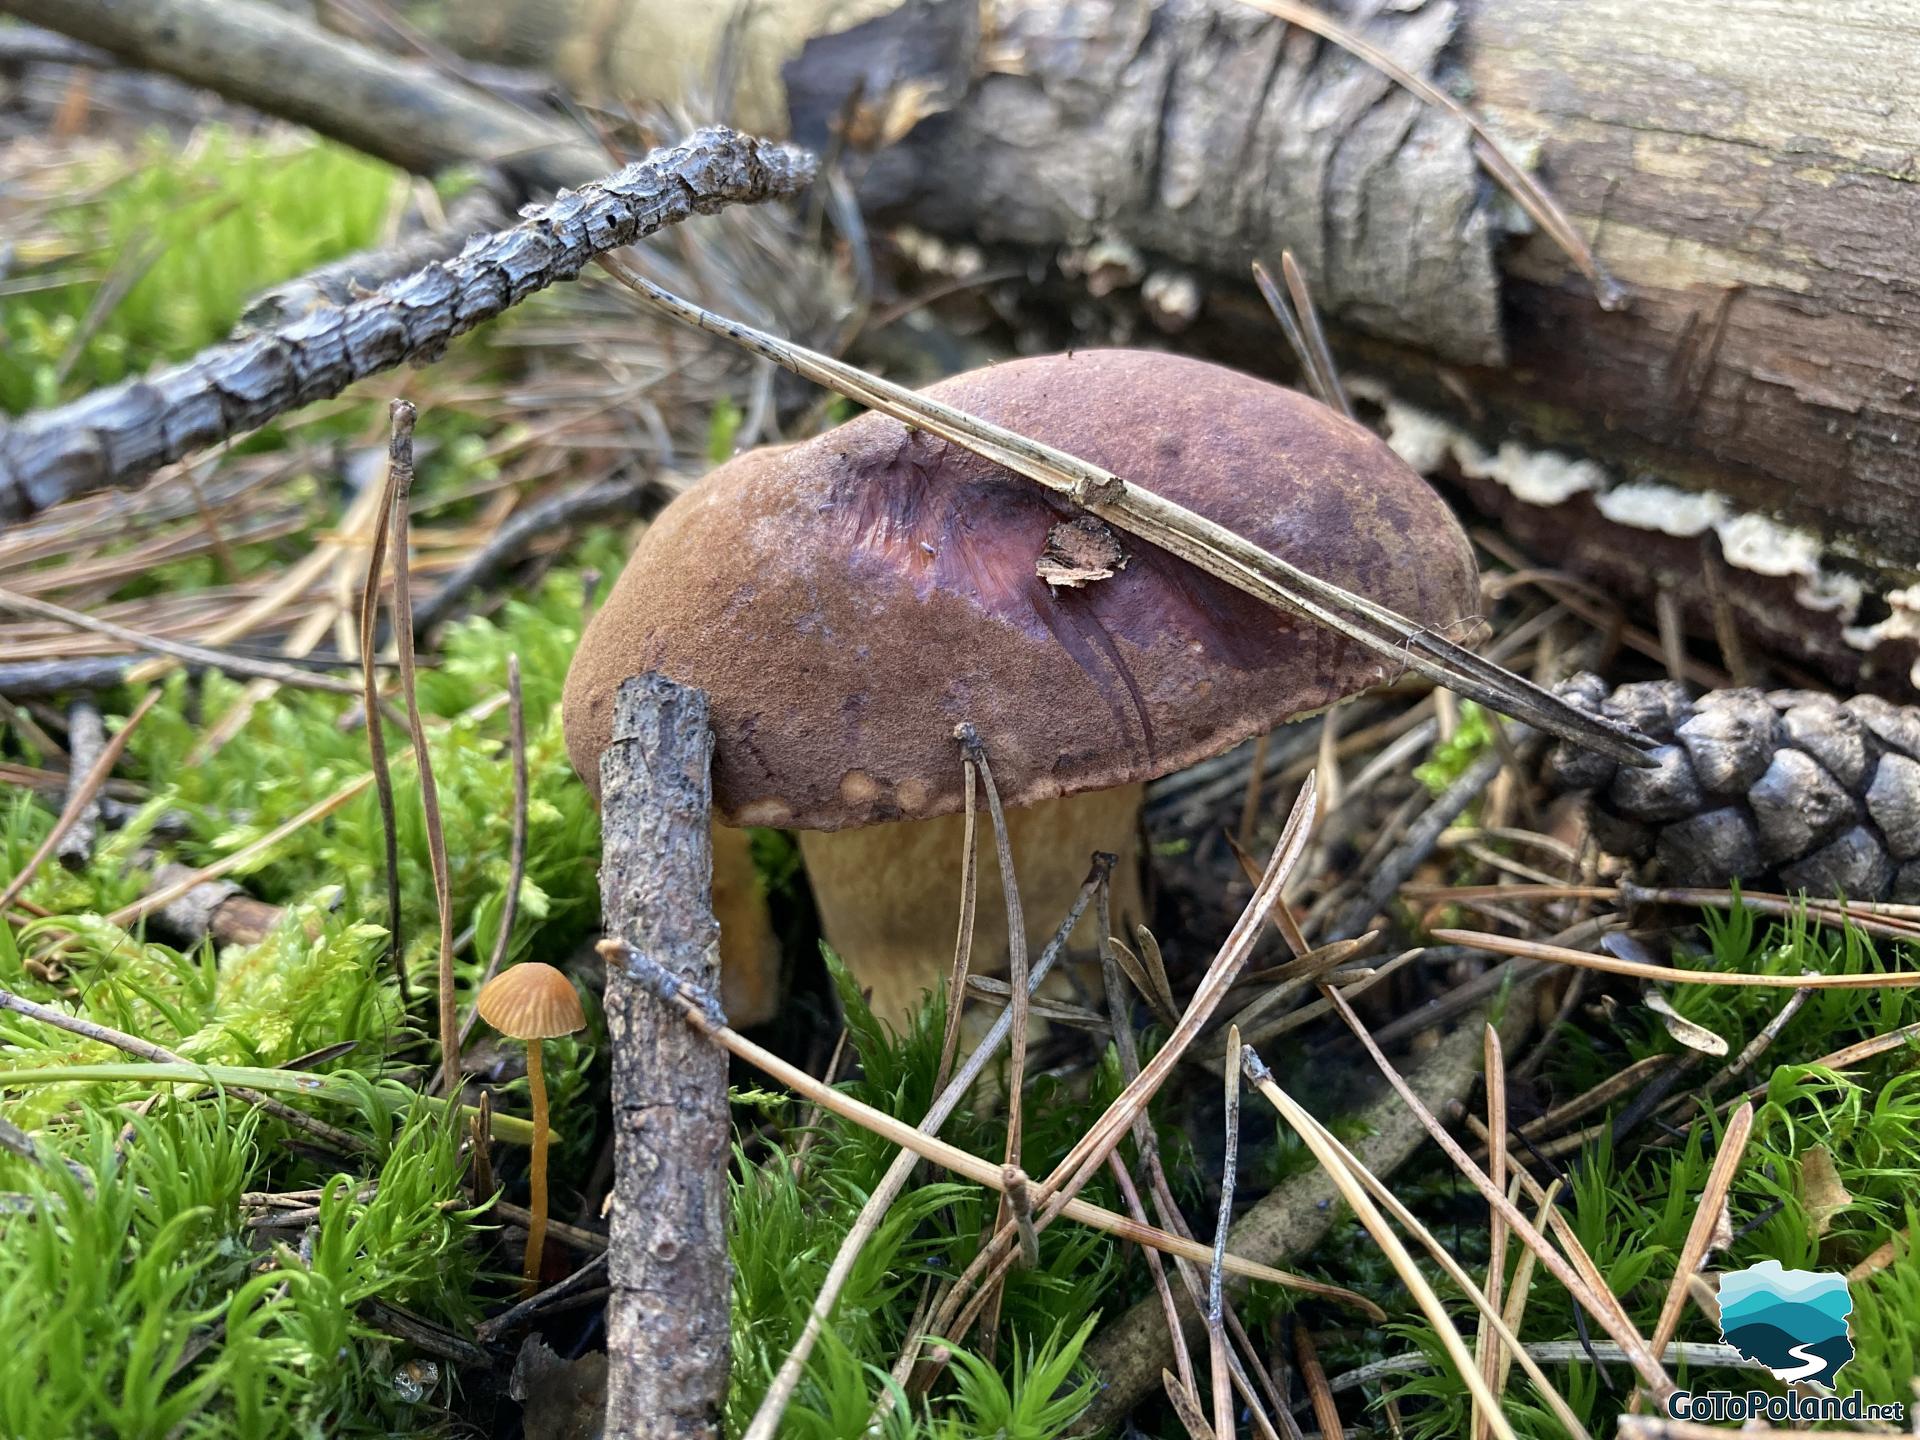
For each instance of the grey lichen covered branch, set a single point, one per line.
(117, 436)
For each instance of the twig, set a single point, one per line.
(589, 1274)
(400, 481)
(116, 437)
(667, 1314)
(224, 660)
(377, 725)
(1201, 542)
(86, 737)
(79, 798)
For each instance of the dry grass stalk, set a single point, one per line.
(1706, 1218)
(1560, 955)
(400, 463)
(1354, 1192)
(517, 844)
(377, 727)
(1488, 1353)
(1313, 1375)
(1612, 1318)
(773, 1405)
(1176, 1332)
(963, 934)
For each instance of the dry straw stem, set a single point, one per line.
(1489, 1355)
(1216, 1289)
(1607, 1311)
(1896, 922)
(80, 798)
(1531, 194)
(1505, 1328)
(1613, 965)
(400, 481)
(703, 1014)
(192, 654)
(766, 1419)
(377, 729)
(1174, 528)
(516, 846)
(956, 1315)
(1355, 1194)
(1713, 1199)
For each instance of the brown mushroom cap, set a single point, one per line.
(847, 601)
(531, 1001)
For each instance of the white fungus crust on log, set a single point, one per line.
(1787, 789)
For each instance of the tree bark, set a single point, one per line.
(1746, 170)
(667, 1315)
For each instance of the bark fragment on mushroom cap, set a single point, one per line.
(847, 601)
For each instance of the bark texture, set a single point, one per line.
(667, 1262)
(119, 435)
(1794, 790)
(1200, 132)
(1747, 170)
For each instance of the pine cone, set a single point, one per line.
(1789, 789)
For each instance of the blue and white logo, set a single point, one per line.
(1794, 1322)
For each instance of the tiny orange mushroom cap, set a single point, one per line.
(533, 1002)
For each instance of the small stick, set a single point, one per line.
(400, 472)
(79, 798)
(86, 737)
(377, 731)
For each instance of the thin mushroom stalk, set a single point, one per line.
(533, 1002)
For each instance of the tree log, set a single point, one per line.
(1747, 171)
(667, 1316)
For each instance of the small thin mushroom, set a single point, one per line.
(533, 1002)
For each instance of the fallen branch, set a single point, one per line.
(116, 437)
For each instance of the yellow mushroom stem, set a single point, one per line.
(889, 895)
(537, 1179)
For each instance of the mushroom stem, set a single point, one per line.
(889, 902)
(537, 1178)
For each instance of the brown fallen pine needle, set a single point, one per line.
(1706, 1217)
(1611, 1317)
(1560, 955)
(377, 729)
(516, 845)
(1488, 1352)
(1355, 1194)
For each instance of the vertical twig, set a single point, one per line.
(400, 467)
(963, 936)
(667, 1315)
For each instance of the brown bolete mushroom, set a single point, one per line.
(533, 1002)
(848, 601)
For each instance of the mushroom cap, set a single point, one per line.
(531, 1001)
(846, 602)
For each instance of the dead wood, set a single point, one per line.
(1736, 166)
(117, 436)
(667, 1316)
